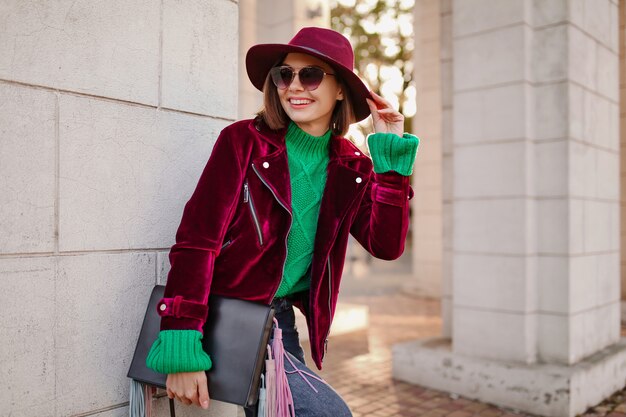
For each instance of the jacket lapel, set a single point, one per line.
(344, 183)
(273, 170)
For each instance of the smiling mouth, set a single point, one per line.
(300, 102)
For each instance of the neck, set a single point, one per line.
(313, 130)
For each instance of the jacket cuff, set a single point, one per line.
(178, 351)
(391, 152)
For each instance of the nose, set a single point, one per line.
(296, 87)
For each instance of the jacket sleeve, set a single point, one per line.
(382, 221)
(204, 222)
(183, 308)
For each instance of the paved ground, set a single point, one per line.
(358, 365)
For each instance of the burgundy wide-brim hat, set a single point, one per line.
(329, 46)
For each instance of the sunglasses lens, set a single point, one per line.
(311, 77)
(281, 76)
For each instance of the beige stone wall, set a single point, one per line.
(249, 97)
(622, 106)
(427, 206)
(447, 132)
(531, 202)
(109, 113)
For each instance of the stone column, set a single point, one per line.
(447, 84)
(622, 74)
(535, 224)
(427, 123)
(109, 114)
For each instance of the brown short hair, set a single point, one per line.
(275, 117)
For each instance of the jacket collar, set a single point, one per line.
(339, 148)
(345, 181)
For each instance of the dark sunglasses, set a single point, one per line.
(310, 77)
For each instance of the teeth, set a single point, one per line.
(300, 101)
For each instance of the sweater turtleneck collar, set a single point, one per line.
(305, 144)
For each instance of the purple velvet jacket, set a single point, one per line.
(232, 239)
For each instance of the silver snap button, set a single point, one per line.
(266, 164)
(358, 180)
(163, 307)
(357, 153)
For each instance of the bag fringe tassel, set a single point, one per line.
(140, 399)
(275, 398)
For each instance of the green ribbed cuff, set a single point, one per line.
(391, 152)
(178, 351)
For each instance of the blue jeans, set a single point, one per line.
(308, 403)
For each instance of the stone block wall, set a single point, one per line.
(622, 104)
(427, 218)
(109, 111)
(447, 157)
(535, 179)
(576, 124)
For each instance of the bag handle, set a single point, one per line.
(172, 409)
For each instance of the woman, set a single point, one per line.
(270, 218)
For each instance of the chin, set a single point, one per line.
(299, 118)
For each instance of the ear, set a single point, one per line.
(339, 94)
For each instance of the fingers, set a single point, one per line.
(390, 115)
(381, 106)
(168, 386)
(381, 102)
(385, 117)
(373, 110)
(387, 114)
(371, 105)
(191, 394)
(174, 396)
(389, 111)
(184, 400)
(203, 391)
(188, 388)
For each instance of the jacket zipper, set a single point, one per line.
(330, 288)
(287, 249)
(227, 243)
(288, 230)
(247, 198)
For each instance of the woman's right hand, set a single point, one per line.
(188, 388)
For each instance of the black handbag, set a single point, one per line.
(236, 334)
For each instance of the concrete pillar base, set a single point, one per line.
(348, 318)
(542, 389)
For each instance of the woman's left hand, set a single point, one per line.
(386, 118)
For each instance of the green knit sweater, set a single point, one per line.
(181, 350)
(308, 158)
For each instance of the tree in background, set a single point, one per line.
(381, 32)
